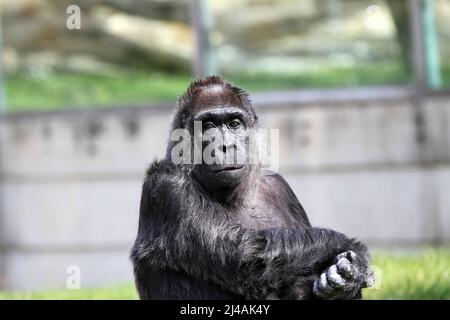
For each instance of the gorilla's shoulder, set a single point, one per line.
(274, 177)
(162, 167)
(277, 183)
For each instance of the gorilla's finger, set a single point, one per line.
(340, 256)
(369, 281)
(351, 256)
(346, 268)
(324, 286)
(317, 292)
(334, 278)
(322, 289)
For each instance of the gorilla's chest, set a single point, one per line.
(264, 212)
(255, 219)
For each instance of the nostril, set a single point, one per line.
(225, 148)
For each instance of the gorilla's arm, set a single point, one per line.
(180, 230)
(349, 272)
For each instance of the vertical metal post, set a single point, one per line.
(201, 18)
(2, 84)
(425, 47)
(418, 53)
(2, 108)
(420, 73)
(431, 48)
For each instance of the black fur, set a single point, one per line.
(249, 241)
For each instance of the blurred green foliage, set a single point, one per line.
(422, 275)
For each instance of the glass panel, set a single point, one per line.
(113, 52)
(269, 44)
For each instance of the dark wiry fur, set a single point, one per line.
(192, 246)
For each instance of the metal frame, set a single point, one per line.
(418, 43)
(202, 23)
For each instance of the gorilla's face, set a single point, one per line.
(225, 148)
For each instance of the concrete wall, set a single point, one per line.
(70, 182)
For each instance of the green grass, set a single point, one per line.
(424, 275)
(412, 276)
(327, 77)
(58, 91)
(116, 292)
(71, 90)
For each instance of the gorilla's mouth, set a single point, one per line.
(231, 168)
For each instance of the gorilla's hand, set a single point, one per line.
(345, 278)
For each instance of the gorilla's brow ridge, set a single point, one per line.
(220, 113)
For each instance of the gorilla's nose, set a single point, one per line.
(223, 148)
(226, 148)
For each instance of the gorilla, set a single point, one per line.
(228, 229)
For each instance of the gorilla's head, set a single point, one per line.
(221, 121)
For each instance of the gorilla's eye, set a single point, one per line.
(234, 124)
(208, 125)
